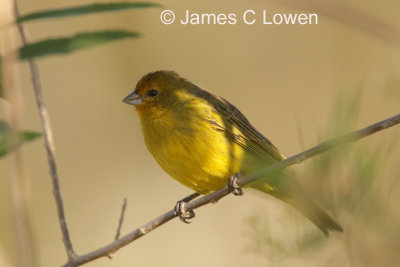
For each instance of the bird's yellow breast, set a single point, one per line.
(190, 149)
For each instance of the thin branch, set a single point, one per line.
(120, 222)
(215, 196)
(123, 241)
(323, 147)
(121, 219)
(48, 141)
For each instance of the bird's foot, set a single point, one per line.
(181, 210)
(234, 186)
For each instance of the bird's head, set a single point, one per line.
(157, 91)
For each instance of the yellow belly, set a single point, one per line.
(195, 154)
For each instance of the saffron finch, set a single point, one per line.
(201, 140)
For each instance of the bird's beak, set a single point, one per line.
(133, 99)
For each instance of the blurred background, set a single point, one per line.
(298, 84)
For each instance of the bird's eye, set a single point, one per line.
(152, 92)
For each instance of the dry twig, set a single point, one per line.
(48, 142)
(121, 219)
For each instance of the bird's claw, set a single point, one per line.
(233, 185)
(182, 212)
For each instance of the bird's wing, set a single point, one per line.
(239, 130)
(254, 140)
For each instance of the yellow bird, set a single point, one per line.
(201, 140)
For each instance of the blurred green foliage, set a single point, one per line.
(64, 45)
(358, 185)
(22, 137)
(83, 10)
(71, 44)
(79, 41)
(1, 80)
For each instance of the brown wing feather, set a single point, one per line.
(250, 138)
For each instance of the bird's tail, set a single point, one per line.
(315, 214)
(307, 207)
